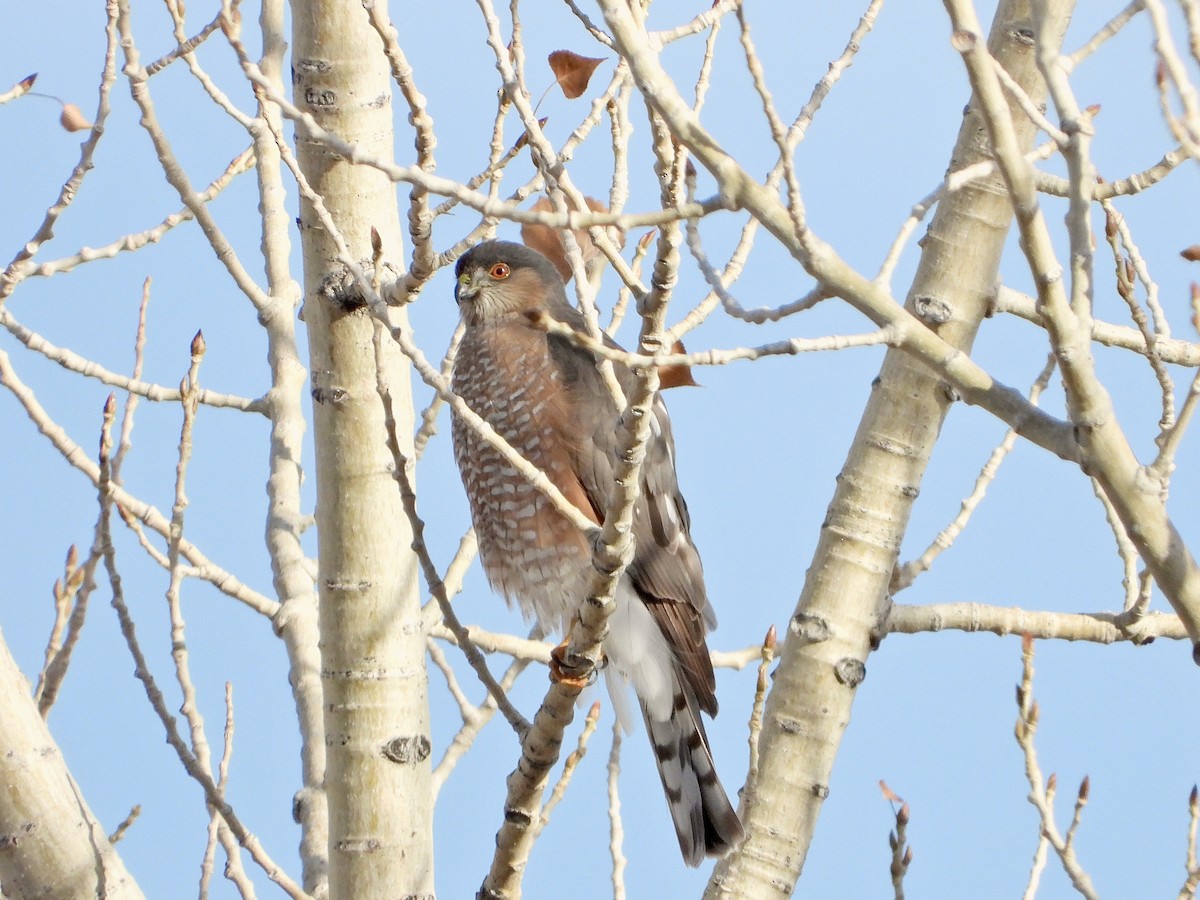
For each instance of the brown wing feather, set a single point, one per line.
(666, 569)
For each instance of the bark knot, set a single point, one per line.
(517, 817)
(408, 750)
(850, 671)
(810, 629)
(932, 311)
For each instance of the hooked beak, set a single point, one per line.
(467, 289)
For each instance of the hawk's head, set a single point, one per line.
(496, 279)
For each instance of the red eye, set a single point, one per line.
(499, 271)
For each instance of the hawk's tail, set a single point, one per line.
(705, 821)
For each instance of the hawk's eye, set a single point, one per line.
(499, 271)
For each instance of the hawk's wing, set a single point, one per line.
(666, 569)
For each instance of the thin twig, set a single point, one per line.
(1108, 30)
(1188, 891)
(1173, 350)
(766, 654)
(126, 824)
(19, 267)
(472, 726)
(108, 496)
(902, 854)
(1097, 627)
(436, 586)
(616, 828)
(574, 758)
(1041, 793)
(907, 573)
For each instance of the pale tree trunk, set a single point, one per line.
(372, 647)
(824, 656)
(50, 843)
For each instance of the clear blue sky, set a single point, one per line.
(759, 448)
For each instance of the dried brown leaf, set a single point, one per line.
(676, 376)
(548, 241)
(888, 794)
(73, 119)
(1192, 253)
(572, 71)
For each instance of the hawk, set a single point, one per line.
(547, 398)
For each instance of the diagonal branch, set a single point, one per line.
(1104, 450)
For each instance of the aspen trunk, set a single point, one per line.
(50, 843)
(829, 637)
(372, 647)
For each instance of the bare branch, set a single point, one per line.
(1041, 793)
(906, 574)
(221, 579)
(1105, 451)
(1173, 350)
(616, 831)
(1097, 627)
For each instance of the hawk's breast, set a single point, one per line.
(530, 552)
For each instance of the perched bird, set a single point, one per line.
(548, 399)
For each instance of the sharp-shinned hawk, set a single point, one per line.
(546, 396)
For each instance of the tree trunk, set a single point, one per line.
(372, 647)
(829, 636)
(50, 843)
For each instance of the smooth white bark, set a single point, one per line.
(377, 777)
(50, 843)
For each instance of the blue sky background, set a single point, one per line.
(759, 447)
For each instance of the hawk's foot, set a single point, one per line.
(563, 672)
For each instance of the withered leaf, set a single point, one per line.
(73, 119)
(888, 794)
(1192, 253)
(676, 376)
(548, 241)
(572, 71)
